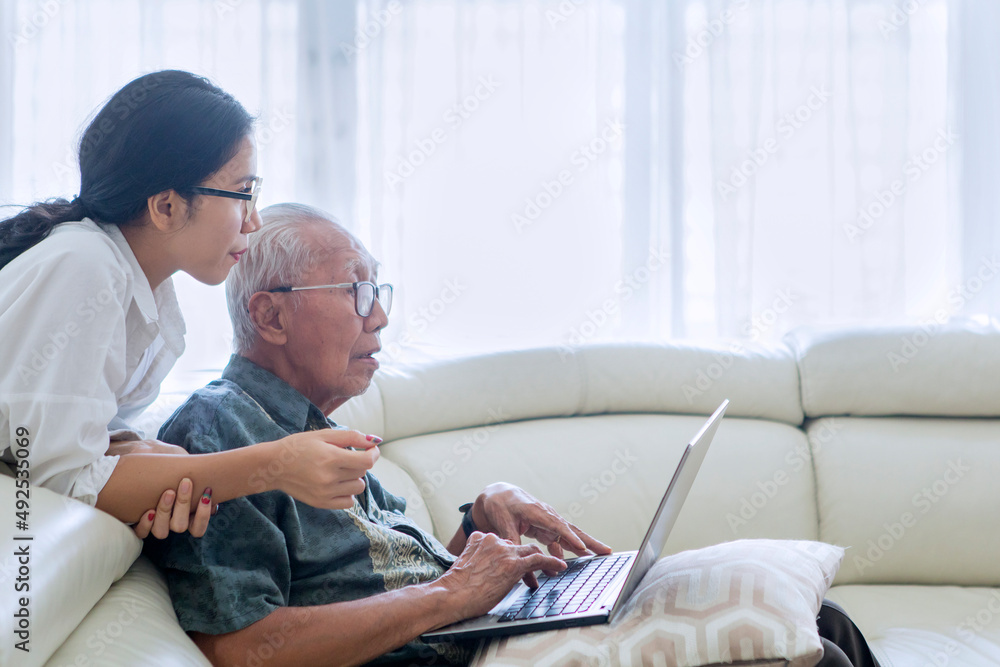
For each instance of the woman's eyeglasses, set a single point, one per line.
(250, 197)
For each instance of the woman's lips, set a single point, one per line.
(237, 255)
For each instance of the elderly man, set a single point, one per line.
(274, 579)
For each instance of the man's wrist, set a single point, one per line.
(442, 605)
(468, 524)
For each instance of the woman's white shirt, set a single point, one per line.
(85, 346)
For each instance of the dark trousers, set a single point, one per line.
(843, 643)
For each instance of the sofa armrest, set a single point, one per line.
(133, 625)
(74, 555)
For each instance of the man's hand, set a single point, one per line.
(320, 469)
(487, 569)
(511, 512)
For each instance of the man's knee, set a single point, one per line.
(833, 622)
(832, 655)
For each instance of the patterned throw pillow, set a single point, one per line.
(751, 602)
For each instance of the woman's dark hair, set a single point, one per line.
(167, 130)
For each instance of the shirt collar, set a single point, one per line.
(288, 408)
(158, 306)
(142, 293)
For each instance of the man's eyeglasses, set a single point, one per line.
(365, 294)
(250, 197)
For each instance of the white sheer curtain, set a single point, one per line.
(491, 170)
(976, 80)
(797, 160)
(535, 172)
(817, 146)
(7, 23)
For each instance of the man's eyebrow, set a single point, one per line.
(355, 263)
(352, 265)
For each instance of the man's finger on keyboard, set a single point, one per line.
(581, 543)
(556, 550)
(569, 539)
(545, 537)
(537, 560)
(592, 543)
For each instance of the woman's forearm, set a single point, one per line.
(139, 479)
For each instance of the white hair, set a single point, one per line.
(278, 254)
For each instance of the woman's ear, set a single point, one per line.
(167, 210)
(269, 317)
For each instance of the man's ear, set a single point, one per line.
(268, 312)
(167, 210)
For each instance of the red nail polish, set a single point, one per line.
(151, 516)
(374, 438)
(206, 497)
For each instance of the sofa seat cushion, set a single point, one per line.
(752, 602)
(911, 497)
(133, 625)
(918, 626)
(607, 474)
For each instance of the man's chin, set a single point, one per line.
(360, 384)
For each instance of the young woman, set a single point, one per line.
(90, 325)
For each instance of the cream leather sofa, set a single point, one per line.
(885, 441)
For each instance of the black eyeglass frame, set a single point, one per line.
(379, 289)
(250, 197)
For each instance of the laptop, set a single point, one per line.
(592, 589)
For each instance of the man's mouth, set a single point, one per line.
(369, 356)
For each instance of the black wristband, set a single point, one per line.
(468, 525)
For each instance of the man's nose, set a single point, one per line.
(377, 319)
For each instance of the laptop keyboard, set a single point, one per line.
(571, 592)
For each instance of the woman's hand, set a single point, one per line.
(319, 468)
(174, 513)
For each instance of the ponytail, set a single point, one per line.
(33, 224)
(168, 130)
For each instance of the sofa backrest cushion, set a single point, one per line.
(947, 370)
(761, 382)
